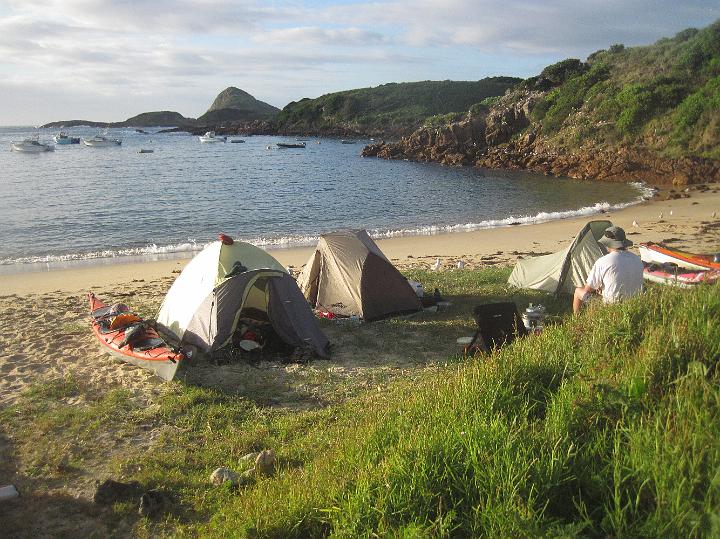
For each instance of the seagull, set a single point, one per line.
(713, 215)
(661, 215)
(670, 212)
(460, 264)
(436, 265)
(635, 223)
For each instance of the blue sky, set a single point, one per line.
(108, 60)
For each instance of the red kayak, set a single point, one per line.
(654, 253)
(124, 335)
(672, 275)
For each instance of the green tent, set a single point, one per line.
(565, 270)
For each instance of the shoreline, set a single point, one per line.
(488, 246)
(188, 249)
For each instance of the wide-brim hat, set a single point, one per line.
(614, 238)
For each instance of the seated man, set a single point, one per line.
(617, 275)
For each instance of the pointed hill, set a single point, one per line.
(234, 104)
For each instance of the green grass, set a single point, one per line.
(606, 425)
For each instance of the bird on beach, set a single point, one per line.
(713, 215)
(635, 224)
(460, 264)
(670, 212)
(436, 265)
(660, 216)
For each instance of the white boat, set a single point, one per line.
(101, 141)
(64, 138)
(31, 145)
(211, 137)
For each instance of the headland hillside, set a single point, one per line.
(388, 110)
(648, 114)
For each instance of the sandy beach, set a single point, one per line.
(43, 323)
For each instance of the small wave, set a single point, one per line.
(184, 249)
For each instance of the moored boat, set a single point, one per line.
(291, 144)
(346, 141)
(210, 137)
(31, 145)
(654, 253)
(125, 336)
(63, 138)
(101, 141)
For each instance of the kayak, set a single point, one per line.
(126, 336)
(673, 275)
(654, 253)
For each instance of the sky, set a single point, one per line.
(107, 60)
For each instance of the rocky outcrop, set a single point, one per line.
(506, 138)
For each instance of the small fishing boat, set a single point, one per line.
(126, 336)
(291, 144)
(63, 138)
(346, 141)
(31, 145)
(101, 141)
(655, 253)
(670, 274)
(210, 137)
(237, 141)
(143, 150)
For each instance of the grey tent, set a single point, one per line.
(228, 280)
(566, 269)
(349, 275)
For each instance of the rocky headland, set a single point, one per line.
(505, 137)
(649, 114)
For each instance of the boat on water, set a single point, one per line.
(101, 141)
(291, 144)
(144, 150)
(346, 141)
(126, 336)
(237, 141)
(210, 137)
(655, 253)
(63, 138)
(31, 145)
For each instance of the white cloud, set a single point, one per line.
(185, 51)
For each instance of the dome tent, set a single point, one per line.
(566, 269)
(349, 275)
(227, 279)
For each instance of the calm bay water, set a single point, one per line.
(82, 203)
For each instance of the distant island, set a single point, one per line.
(231, 105)
(647, 114)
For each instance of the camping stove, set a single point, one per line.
(533, 318)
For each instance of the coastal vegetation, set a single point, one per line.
(649, 114)
(665, 96)
(389, 108)
(604, 425)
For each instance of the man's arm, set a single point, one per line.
(582, 293)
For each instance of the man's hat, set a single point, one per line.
(614, 238)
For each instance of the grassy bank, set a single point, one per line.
(605, 425)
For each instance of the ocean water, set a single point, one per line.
(98, 204)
